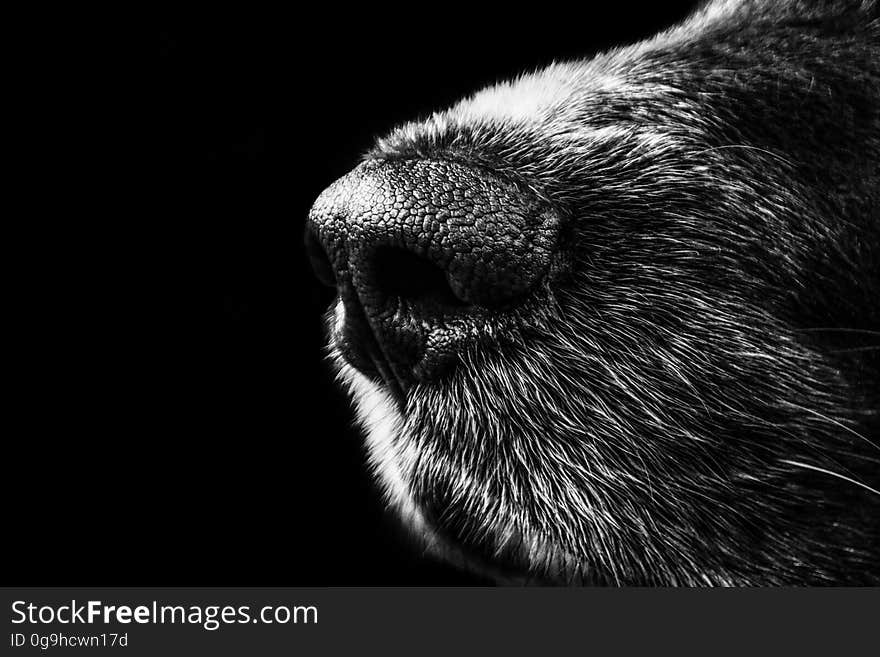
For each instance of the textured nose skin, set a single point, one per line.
(416, 244)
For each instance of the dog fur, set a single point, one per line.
(691, 396)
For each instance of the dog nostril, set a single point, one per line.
(319, 260)
(408, 276)
(424, 255)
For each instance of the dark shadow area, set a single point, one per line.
(193, 434)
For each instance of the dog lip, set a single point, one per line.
(396, 386)
(366, 356)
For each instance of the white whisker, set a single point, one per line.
(831, 473)
(836, 423)
(839, 330)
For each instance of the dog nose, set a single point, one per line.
(423, 253)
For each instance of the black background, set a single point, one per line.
(189, 431)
